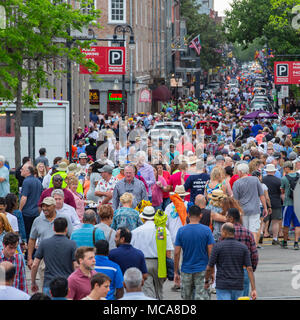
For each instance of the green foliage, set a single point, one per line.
(14, 187)
(211, 34)
(266, 21)
(243, 54)
(37, 43)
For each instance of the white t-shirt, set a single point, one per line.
(174, 221)
(13, 221)
(144, 239)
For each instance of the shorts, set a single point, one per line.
(252, 222)
(288, 216)
(276, 214)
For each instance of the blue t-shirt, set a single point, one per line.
(32, 189)
(255, 129)
(194, 239)
(126, 256)
(111, 269)
(196, 183)
(84, 235)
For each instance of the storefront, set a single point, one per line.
(114, 101)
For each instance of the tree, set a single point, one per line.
(34, 45)
(267, 20)
(211, 34)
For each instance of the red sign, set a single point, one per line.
(110, 60)
(290, 122)
(287, 72)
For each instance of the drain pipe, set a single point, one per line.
(131, 63)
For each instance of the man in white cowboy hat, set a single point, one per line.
(174, 221)
(273, 183)
(83, 162)
(144, 239)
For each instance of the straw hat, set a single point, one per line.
(72, 168)
(216, 196)
(62, 166)
(180, 190)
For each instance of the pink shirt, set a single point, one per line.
(157, 193)
(80, 206)
(175, 180)
(79, 285)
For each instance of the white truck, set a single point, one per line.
(51, 130)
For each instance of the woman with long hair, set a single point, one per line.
(72, 184)
(230, 202)
(12, 207)
(217, 179)
(4, 228)
(41, 171)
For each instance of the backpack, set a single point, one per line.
(293, 183)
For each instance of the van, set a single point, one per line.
(46, 125)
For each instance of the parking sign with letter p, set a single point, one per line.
(282, 70)
(115, 57)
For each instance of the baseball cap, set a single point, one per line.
(49, 201)
(276, 155)
(236, 157)
(106, 168)
(288, 164)
(220, 157)
(292, 155)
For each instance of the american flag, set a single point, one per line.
(196, 44)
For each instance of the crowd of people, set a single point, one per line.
(132, 210)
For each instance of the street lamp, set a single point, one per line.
(176, 78)
(124, 29)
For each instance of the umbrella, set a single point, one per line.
(260, 114)
(161, 93)
(203, 122)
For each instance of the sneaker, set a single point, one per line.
(175, 288)
(213, 290)
(296, 246)
(284, 244)
(275, 242)
(261, 238)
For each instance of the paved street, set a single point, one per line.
(273, 276)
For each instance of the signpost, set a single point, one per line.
(110, 60)
(287, 72)
(285, 91)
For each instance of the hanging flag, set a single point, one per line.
(196, 44)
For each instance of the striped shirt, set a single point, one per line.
(230, 256)
(20, 278)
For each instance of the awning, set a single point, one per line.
(161, 93)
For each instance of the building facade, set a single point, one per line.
(147, 65)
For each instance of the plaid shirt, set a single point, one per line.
(20, 278)
(212, 148)
(245, 236)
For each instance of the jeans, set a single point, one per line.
(228, 294)
(28, 221)
(246, 284)
(165, 203)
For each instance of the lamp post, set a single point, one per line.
(176, 78)
(124, 29)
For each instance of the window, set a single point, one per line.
(117, 11)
